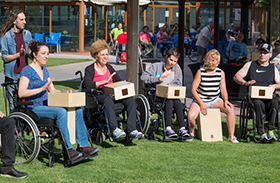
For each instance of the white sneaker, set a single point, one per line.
(135, 134)
(233, 139)
(117, 133)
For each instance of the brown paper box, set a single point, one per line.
(210, 126)
(170, 91)
(120, 90)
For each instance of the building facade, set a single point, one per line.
(81, 23)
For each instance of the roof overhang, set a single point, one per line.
(112, 2)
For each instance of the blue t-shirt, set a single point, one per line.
(237, 49)
(36, 82)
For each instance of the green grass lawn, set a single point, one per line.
(55, 62)
(157, 161)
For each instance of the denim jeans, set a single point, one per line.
(59, 114)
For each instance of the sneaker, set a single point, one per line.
(134, 134)
(14, 173)
(271, 135)
(87, 151)
(263, 137)
(192, 135)
(183, 132)
(233, 139)
(170, 133)
(117, 133)
(74, 154)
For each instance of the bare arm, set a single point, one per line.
(99, 83)
(110, 34)
(238, 77)
(195, 84)
(206, 38)
(23, 92)
(277, 80)
(115, 46)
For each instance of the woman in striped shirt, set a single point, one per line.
(207, 87)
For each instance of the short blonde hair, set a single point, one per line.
(215, 54)
(98, 46)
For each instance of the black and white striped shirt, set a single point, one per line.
(209, 87)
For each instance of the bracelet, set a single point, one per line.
(245, 83)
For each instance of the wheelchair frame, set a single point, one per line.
(95, 115)
(158, 108)
(247, 112)
(33, 133)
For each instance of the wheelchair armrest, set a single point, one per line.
(8, 84)
(148, 89)
(25, 103)
(93, 91)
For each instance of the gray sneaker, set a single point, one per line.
(271, 135)
(134, 134)
(171, 133)
(233, 139)
(117, 133)
(263, 137)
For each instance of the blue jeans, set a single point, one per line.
(164, 46)
(59, 114)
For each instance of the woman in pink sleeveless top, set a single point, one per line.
(101, 73)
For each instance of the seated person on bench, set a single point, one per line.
(168, 73)
(237, 50)
(209, 83)
(262, 73)
(34, 85)
(101, 73)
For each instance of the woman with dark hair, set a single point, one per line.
(101, 73)
(34, 85)
(168, 72)
(259, 43)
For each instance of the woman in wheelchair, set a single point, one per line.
(101, 73)
(168, 72)
(209, 83)
(34, 85)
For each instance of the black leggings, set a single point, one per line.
(178, 107)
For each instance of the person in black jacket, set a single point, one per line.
(101, 73)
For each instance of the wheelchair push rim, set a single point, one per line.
(143, 109)
(27, 138)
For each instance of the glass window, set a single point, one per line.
(233, 15)
(116, 14)
(206, 15)
(192, 17)
(175, 16)
(89, 27)
(161, 18)
(37, 19)
(65, 19)
(141, 17)
(192, 3)
(149, 18)
(4, 13)
(233, 2)
(100, 22)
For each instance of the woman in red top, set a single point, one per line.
(101, 73)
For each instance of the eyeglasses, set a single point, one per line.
(259, 42)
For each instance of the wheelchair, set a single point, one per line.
(248, 114)
(33, 133)
(96, 119)
(144, 53)
(120, 49)
(157, 107)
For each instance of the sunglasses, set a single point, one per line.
(259, 42)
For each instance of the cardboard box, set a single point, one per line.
(120, 90)
(261, 92)
(210, 126)
(77, 99)
(170, 91)
(255, 56)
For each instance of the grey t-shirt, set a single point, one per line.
(207, 32)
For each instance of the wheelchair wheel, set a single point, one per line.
(27, 139)
(143, 108)
(100, 138)
(192, 54)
